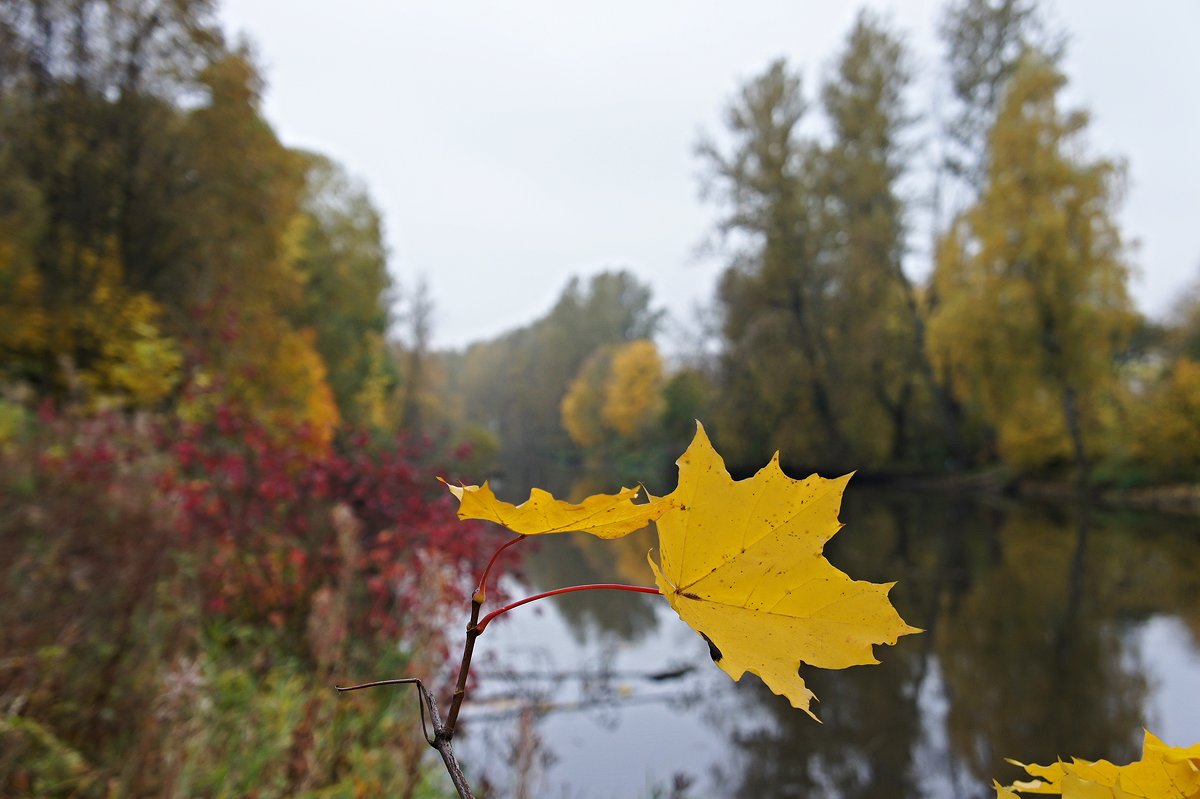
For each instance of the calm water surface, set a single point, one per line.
(1050, 631)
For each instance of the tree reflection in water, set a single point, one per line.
(1035, 666)
(1030, 650)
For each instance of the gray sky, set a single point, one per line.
(513, 144)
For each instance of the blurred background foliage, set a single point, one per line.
(211, 505)
(183, 590)
(220, 412)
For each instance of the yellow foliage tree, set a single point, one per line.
(251, 274)
(633, 394)
(102, 342)
(617, 392)
(1167, 422)
(137, 362)
(308, 399)
(582, 405)
(23, 320)
(1031, 282)
(370, 403)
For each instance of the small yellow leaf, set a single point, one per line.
(602, 515)
(741, 562)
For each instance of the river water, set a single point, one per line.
(1050, 631)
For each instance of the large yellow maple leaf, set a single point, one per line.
(602, 515)
(741, 562)
(1164, 772)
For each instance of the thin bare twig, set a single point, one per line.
(424, 698)
(441, 735)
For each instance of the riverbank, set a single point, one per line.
(1182, 498)
(1178, 498)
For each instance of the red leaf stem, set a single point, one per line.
(641, 589)
(481, 590)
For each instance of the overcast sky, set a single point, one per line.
(513, 144)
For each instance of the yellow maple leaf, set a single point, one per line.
(602, 515)
(1164, 772)
(741, 562)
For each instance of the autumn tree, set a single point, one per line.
(616, 395)
(1163, 397)
(824, 332)
(148, 211)
(583, 405)
(91, 90)
(879, 329)
(633, 396)
(91, 181)
(1032, 281)
(1164, 423)
(247, 228)
(345, 288)
(777, 371)
(984, 42)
